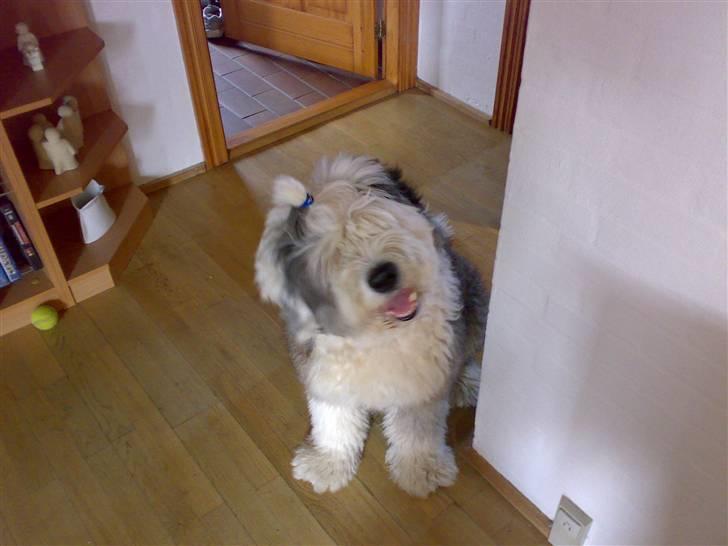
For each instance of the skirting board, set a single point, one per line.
(519, 501)
(172, 179)
(452, 101)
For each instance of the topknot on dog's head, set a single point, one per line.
(361, 171)
(289, 192)
(368, 176)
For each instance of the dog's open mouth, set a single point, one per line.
(403, 305)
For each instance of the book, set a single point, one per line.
(15, 252)
(3, 279)
(7, 263)
(17, 228)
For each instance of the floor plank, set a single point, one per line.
(26, 363)
(219, 527)
(72, 470)
(171, 383)
(128, 499)
(34, 505)
(73, 415)
(106, 385)
(454, 522)
(26, 467)
(6, 537)
(166, 411)
(248, 482)
(44, 517)
(177, 488)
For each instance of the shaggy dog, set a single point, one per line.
(382, 316)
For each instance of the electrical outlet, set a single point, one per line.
(571, 525)
(568, 527)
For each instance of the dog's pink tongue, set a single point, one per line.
(402, 303)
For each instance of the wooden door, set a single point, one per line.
(337, 33)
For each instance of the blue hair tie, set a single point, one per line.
(307, 203)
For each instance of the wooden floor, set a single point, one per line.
(165, 410)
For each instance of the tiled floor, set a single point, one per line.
(255, 86)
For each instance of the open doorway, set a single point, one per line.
(344, 49)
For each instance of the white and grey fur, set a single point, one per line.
(351, 353)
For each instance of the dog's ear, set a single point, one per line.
(393, 187)
(401, 190)
(442, 230)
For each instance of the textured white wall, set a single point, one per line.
(459, 48)
(148, 84)
(605, 356)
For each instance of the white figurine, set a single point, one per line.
(70, 126)
(33, 58)
(42, 121)
(60, 151)
(27, 39)
(71, 101)
(36, 136)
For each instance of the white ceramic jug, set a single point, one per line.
(94, 212)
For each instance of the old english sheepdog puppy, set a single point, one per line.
(382, 316)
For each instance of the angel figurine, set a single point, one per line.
(36, 134)
(60, 151)
(42, 121)
(33, 58)
(70, 125)
(29, 47)
(70, 100)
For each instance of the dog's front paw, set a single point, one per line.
(324, 470)
(421, 473)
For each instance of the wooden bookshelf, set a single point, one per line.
(72, 270)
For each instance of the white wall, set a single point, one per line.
(459, 48)
(149, 87)
(605, 356)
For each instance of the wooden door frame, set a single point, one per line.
(513, 43)
(399, 56)
(201, 81)
(399, 48)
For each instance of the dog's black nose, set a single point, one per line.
(383, 277)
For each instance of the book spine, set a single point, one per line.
(18, 229)
(7, 263)
(3, 278)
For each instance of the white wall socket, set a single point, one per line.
(571, 525)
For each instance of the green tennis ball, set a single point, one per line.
(44, 317)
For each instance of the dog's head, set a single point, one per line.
(363, 255)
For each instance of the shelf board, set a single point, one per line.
(66, 55)
(18, 300)
(90, 269)
(30, 285)
(102, 132)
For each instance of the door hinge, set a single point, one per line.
(380, 30)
